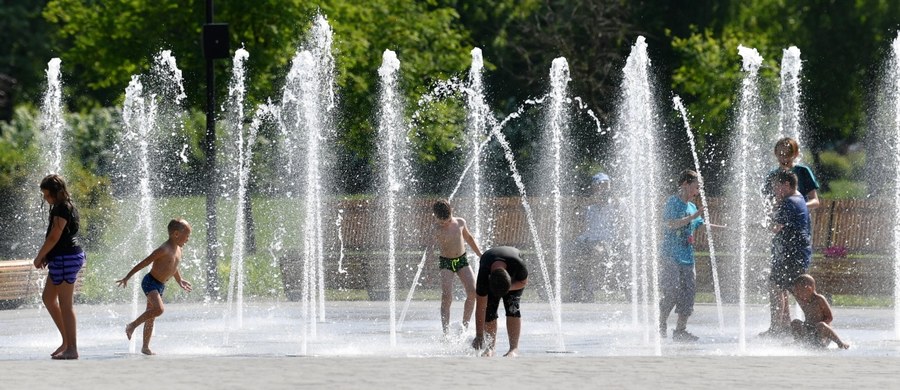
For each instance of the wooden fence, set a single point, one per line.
(860, 229)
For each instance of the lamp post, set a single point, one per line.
(215, 46)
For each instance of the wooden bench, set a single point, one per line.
(19, 282)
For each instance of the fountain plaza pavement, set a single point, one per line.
(352, 349)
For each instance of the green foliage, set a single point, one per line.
(439, 130)
(110, 41)
(846, 189)
(710, 71)
(428, 43)
(26, 46)
(107, 42)
(841, 44)
(842, 174)
(833, 165)
(18, 149)
(92, 196)
(91, 138)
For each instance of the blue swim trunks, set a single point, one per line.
(64, 267)
(150, 283)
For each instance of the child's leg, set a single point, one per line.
(826, 331)
(467, 277)
(797, 329)
(784, 314)
(446, 298)
(66, 293)
(148, 332)
(666, 304)
(777, 305)
(682, 322)
(50, 298)
(154, 309)
(513, 329)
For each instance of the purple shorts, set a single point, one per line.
(65, 267)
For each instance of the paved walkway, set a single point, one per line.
(600, 346)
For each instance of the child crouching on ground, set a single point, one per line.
(816, 329)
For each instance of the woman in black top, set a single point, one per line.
(63, 257)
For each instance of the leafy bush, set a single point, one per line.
(833, 165)
(846, 189)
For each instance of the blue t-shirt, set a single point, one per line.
(678, 243)
(793, 243)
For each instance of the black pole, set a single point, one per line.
(212, 245)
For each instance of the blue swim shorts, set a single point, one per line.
(64, 268)
(150, 283)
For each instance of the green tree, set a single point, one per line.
(26, 48)
(107, 43)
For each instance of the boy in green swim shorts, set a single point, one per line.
(449, 233)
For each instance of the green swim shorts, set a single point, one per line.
(454, 264)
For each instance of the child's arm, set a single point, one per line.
(480, 316)
(470, 240)
(825, 310)
(677, 223)
(184, 284)
(812, 200)
(147, 261)
(40, 261)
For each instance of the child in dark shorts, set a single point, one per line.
(451, 234)
(502, 275)
(791, 249)
(815, 330)
(164, 260)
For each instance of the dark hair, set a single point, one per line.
(442, 209)
(789, 177)
(500, 282)
(688, 176)
(791, 144)
(805, 280)
(56, 186)
(178, 224)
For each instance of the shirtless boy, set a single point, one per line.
(816, 329)
(449, 233)
(165, 260)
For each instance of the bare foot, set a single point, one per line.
(68, 354)
(512, 353)
(844, 345)
(129, 329)
(147, 351)
(488, 353)
(59, 350)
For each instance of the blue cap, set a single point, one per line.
(600, 177)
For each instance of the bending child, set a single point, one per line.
(815, 330)
(502, 275)
(165, 261)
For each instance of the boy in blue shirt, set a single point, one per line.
(677, 275)
(791, 249)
